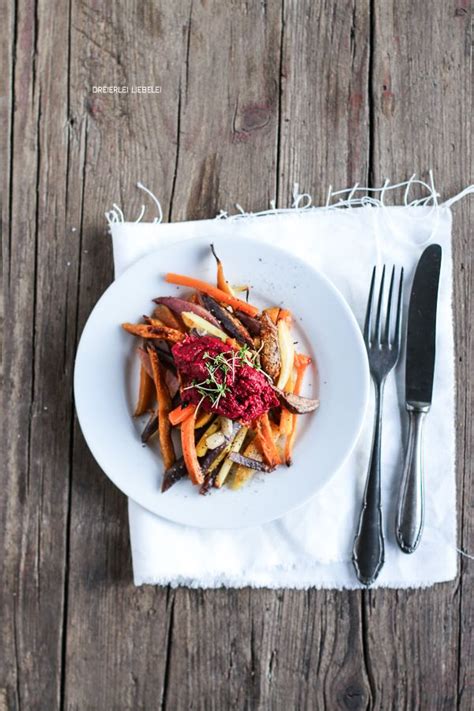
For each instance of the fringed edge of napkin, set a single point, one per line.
(302, 201)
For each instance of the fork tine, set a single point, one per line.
(397, 336)
(378, 318)
(368, 313)
(386, 338)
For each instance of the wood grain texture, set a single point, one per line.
(255, 95)
(421, 90)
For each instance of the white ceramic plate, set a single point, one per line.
(106, 380)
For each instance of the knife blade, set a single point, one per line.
(419, 375)
(421, 332)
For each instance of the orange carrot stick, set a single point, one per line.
(266, 441)
(163, 409)
(301, 363)
(179, 414)
(189, 448)
(222, 282)
(213, 291)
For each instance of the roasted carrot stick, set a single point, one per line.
(301, 363)
(145, 393)
(145, 330)
(222, 282)
(189, 448)
(266, 441)
(163, 409)
(179, 414)
(213, 291)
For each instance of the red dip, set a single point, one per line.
(220, 378)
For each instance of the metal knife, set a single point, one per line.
(420, 364)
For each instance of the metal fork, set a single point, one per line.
(382, 350)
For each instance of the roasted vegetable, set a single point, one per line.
(241, 473)
(228, 427)
(286, 418)
(145, 392)
(209, 465)
(214, 441)
(180, 305)
(164, 355)
(215, 457)
(222, 282)
(172, 382)
(252, 325)
(228, 321)
(180, 413)
(270, 353)
(203, 420)
(164, 408)
(276, 314)
(189, 448)
(287, 352)
(301, 363)
(265, 438)
(250, 463)
(206, 288)
(296, 404)
(173, 474)
(227, 464)
(211, 460)
(167, 317)
(146, 330)
(150, 428)
(272, 313)
(192, 320)
(201, 447)
(145, 360)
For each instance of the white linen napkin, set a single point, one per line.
(311, 547)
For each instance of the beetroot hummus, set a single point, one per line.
(245, 392)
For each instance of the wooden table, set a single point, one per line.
(254, 95)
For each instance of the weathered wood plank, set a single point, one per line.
(421, 88)
(325, 99)
(229, 109)
(38, 355)
(117, 646)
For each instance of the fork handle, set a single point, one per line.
(368, 552)
(410, 513)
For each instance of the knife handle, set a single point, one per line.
(410, 512)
